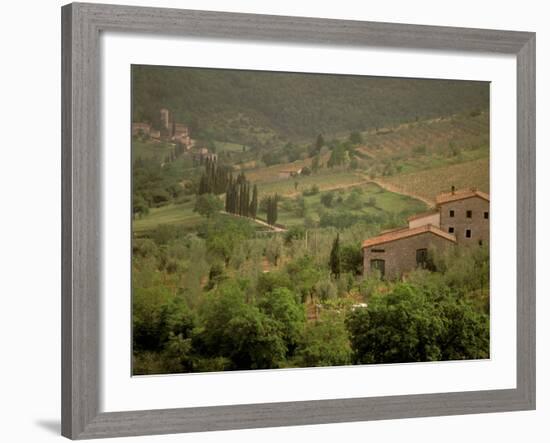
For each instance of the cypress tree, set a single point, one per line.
(335, 263)
(202, 185)
(254, 202)
(234, 202)
(272, 209)
(231, 199)
(275, 212)
(269, 211)
(320, 142)
(247, 199)
(237, 199)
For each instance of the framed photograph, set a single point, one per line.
(274, 221)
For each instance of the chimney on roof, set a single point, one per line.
(453, 189)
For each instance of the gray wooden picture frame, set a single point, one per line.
(81, 166)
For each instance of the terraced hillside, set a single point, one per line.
(424, 158)
(441, 136)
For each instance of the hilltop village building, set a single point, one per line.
(459, 218)
(169, 130)
(141, 129)
(203, 155)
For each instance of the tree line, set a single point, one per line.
(241, 197)
(238, 200)
(215, 179)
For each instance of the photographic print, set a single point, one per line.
(297, 220)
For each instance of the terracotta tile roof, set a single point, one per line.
(404, 233)
(422, 214)
(447, 197)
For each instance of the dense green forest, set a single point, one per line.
(230, 104)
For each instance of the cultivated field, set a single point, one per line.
(430, 182)
(436, 136)
(324, 181)
(151, 150)
(180, 214)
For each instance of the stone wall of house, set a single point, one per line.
(477, 224)
(428, 219)
(400, 255)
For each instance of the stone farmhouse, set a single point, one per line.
(460, 218)
(287, 173)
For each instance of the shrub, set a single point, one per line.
(294, 233)
(327, 199)
(351, 259)
(285, 307)
(325, 289)
(312, 190)
(240, 332)
(398, 327)
(418, 323)
(325, 342)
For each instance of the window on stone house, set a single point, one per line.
(422, 258)
(451, 213)
(451, 230)
(379, 265)
(486, 215)
(468, 214)
(468, 233)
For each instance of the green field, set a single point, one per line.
(368, 200)
(229, 147)
(180, 214)
(363, 202)
(324, 181)
(149, 150)
(172, 214)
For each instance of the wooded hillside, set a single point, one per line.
(221, 104)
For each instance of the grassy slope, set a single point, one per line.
(150, 150)
(330, 179)
(385, 201)
(180, 214)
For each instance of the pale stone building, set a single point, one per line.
(459, 218)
